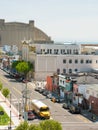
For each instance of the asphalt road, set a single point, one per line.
(69, 121)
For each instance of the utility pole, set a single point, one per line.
(10, 127)
(25, 94)
(25, 102)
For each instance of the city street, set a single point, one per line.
(69, 121)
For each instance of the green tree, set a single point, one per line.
(44, 125)
(24, 67)
(23, 126)
(34, 127)
(14, 64)
(31, 67)
(1, 86)
(5, 92)
(50, 125)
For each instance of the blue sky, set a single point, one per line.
(63, 20)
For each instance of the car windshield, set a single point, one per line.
(44, 109)
(30, 112)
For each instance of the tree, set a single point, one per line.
(1, 86)
(23, 126)
(34, 127)
(31, 67)
(50, 125)
(23, 68)
(14, 64)
(5, 92)
(44, 125)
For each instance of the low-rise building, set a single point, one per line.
(49, 59)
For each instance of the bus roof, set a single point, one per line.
(39, 103)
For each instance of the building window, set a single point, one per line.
(62, 51)
(70, 70)
(70, 61)
(75, 51)
(56, 51)
(90, 61)
(64, 61)
(81, 61)
(60, 81)
(64, 71)
(87, 61)
(96, 61)
(50, 51)
(58, 71)
(76, 70)
(76, 61)
(67, 51)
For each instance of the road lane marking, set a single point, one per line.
(9, 84)
(83, 118)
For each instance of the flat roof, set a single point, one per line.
(38, 103)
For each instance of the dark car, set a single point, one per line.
(41, 90)
(65, 105)
(45, 93)
(31, 115)
(75, 109)
(20, 79)
(37, 88)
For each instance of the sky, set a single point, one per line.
(62, 20)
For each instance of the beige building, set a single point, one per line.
(89, 49)
(12, 33)
(46, 64)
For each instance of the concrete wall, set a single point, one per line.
(13, 33)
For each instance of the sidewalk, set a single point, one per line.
(92, 117)
(10, 111)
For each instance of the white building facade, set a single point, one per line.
(57, 58)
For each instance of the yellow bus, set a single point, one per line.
(41, 109)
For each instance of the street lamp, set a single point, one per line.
(92, 102)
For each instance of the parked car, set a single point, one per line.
(75, 109)
(50, 95)
(30, 115)
(26, 80)
(60, 99)
(41, 90)
(53, 99)
(45, 93)
(65, 105)
(20, 79)
(12, 75)
(37, 88)
(57, 99)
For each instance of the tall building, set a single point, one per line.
(12, 33)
